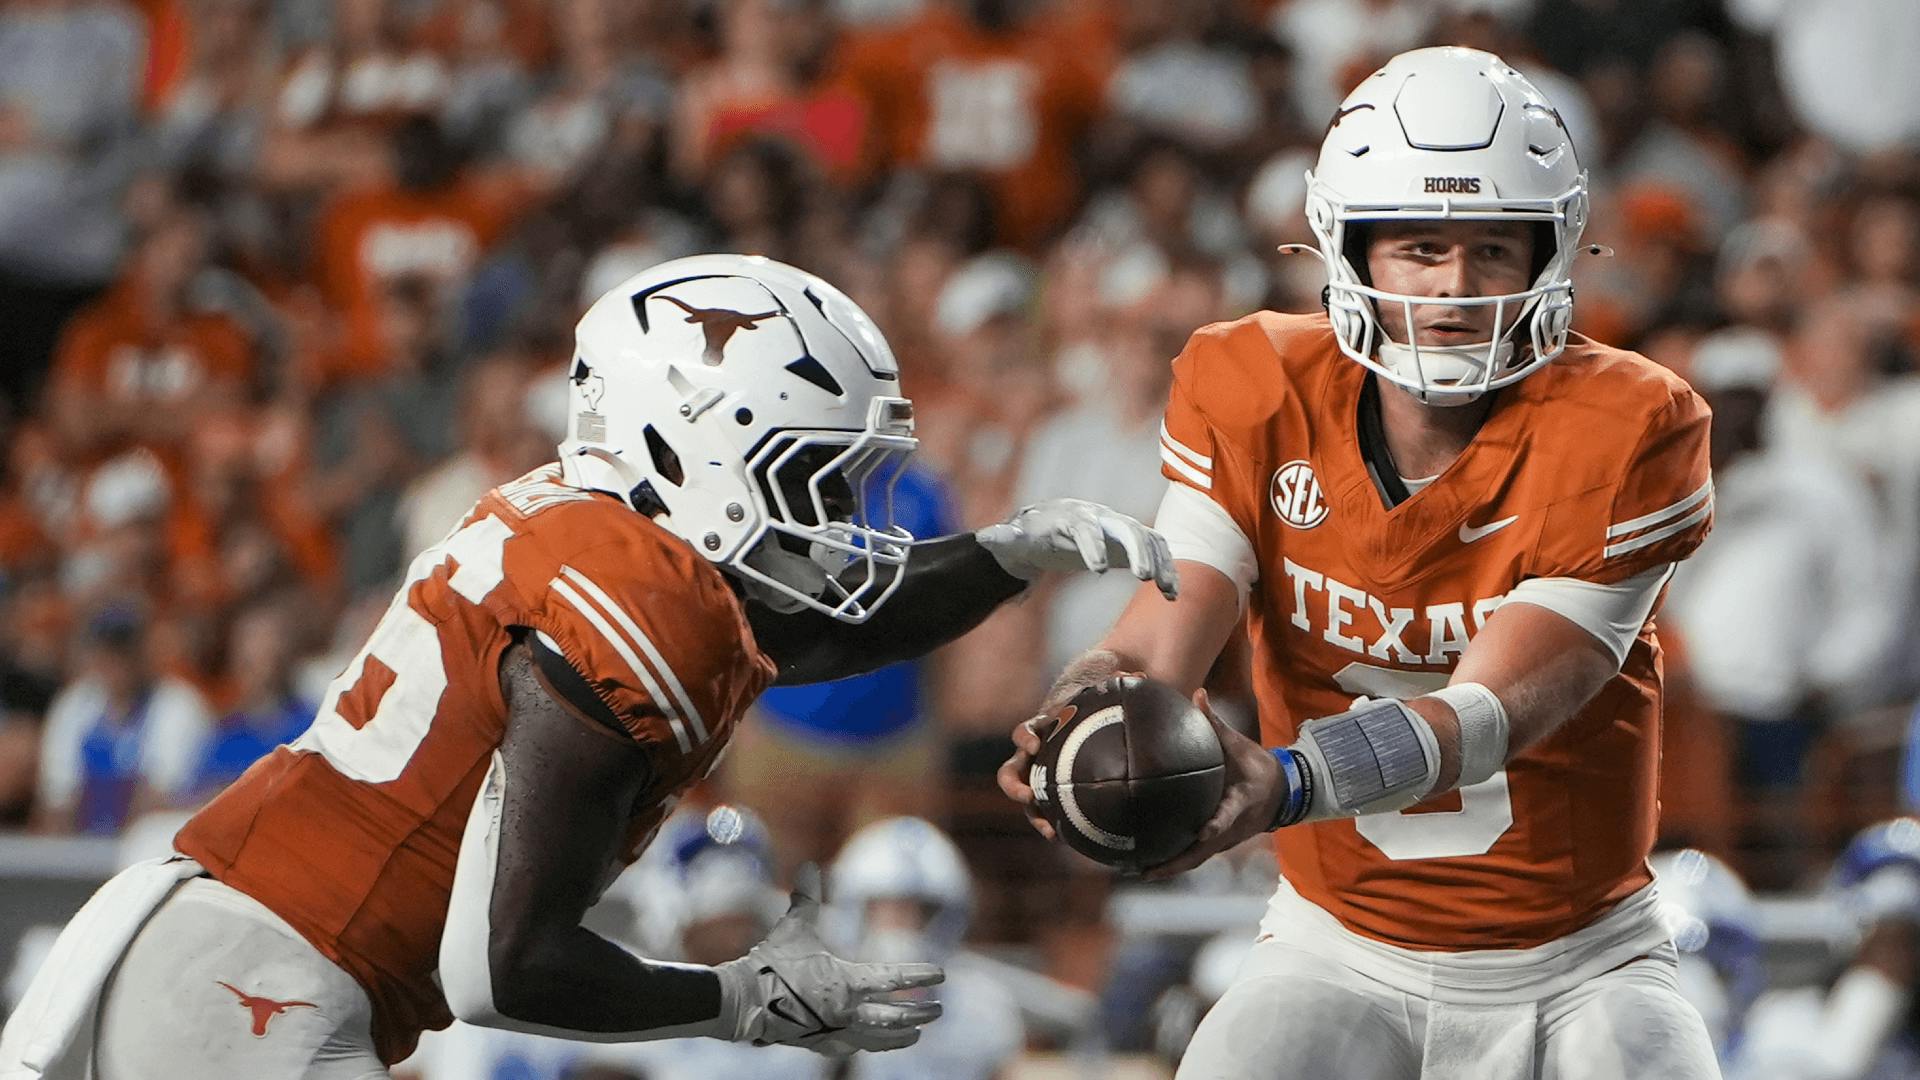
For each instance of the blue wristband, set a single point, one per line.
(1299, 788)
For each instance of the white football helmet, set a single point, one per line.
(902, 858)
(755, 411)
(1448, 133)
(702, 865)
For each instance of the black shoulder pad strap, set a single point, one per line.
(567, 685)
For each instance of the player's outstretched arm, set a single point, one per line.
(951, 584)
(1175, 643)
(546, 829)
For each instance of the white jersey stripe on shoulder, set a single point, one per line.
(1183, 449)
(1657, 535)
(1704, 491)
(1189, 473)
(566, 592)
(681, 698)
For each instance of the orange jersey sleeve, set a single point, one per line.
(1655, 511)
(1193, 449)
(662, 649)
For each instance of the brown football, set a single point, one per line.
(1128, 772)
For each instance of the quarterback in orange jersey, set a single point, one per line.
(549, 679)
(1446, 522)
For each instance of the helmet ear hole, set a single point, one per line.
(1359, 237)
(1546, 243)
(665, 462)
(646, 500)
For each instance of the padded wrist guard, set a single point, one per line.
(1376, 757)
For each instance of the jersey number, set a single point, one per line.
(401, 667)
(1486, 808)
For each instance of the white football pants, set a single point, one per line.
(217, 985)
(1292, 1014)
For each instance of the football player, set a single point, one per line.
(1863, 1023)
(902, 890)
(549, 678)
(1445, 522)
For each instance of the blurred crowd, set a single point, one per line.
(286, 284)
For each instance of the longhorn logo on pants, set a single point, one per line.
(264, 1009)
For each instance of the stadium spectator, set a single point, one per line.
(121, 738)
(339, 95)
(498, 441)
(1777, 609)
(370, 439)
(68, 97)
(985, 87)
(600, 82)
(767, 82)
(1337, 43)
(32, 614)
(1175, 82)
(1688, 147)
(235, 533)
(266, 710)
(1101, 448)
(137, 367)
(1846, 393)
(1828, 53)
(429, 226)
(1763, 274)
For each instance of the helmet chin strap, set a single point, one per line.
(798, 572)
(1465, 358)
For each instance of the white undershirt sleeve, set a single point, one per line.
(1198, 529)
(1613, 613)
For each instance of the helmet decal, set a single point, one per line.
(719, 325)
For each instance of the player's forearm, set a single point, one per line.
(1176, 643)
(950, 585)
(578, 985)
(1529, 672)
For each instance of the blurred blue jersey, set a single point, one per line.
(872, 707)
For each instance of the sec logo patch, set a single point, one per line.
(1296, 496)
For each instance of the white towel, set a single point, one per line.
(49, 1036)
(1480, 1042)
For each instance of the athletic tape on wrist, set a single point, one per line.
(1483, 729)
(1376, 757)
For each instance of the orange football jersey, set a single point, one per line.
(1594, 467)
(350, 833)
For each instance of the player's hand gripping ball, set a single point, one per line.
(1128, 772)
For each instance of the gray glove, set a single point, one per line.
(790, 990)
(1074, 534)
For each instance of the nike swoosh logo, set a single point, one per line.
(1470, 533)
(778, 1007)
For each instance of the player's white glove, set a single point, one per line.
(1073, 534)
(789, 989)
